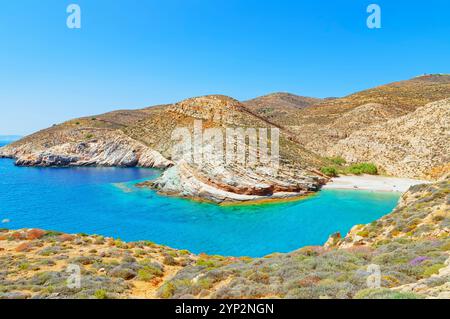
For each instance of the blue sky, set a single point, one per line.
(132, 54)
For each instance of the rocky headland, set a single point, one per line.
(143, 138)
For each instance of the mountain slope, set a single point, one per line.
(281, 108)
(413, 145)
(319, 127)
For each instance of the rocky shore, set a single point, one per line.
(231, 184)
(111, 149)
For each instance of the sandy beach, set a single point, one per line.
(373, 183)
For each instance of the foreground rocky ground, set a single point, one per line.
(411, 247)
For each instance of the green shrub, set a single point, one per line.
(205, 283)
(208, 263)
(363, 233)
(167, 290)
(329, 171)
(149, 272)
(101, 294)
(384, 293)
(445, 246)
(119, 243)
(432, 270)
(169, 260)
(24, 266)
(52, 233)
(362, 168)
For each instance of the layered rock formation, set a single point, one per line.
(109, 149)
(233, 183)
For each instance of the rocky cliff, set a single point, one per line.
(104, 149)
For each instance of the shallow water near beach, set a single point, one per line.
(105, 201)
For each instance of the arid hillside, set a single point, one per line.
(413, 145)
(321, 126)
(281, 108)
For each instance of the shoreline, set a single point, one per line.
(270, 200)
(373, 183)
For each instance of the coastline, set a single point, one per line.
(114, 269)
(373, 183)
(270, 200)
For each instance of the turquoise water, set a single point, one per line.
(104, 201)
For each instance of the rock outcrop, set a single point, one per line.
(216, 108)
(110, 149)
(233, 183)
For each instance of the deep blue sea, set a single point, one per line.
(104, 201)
